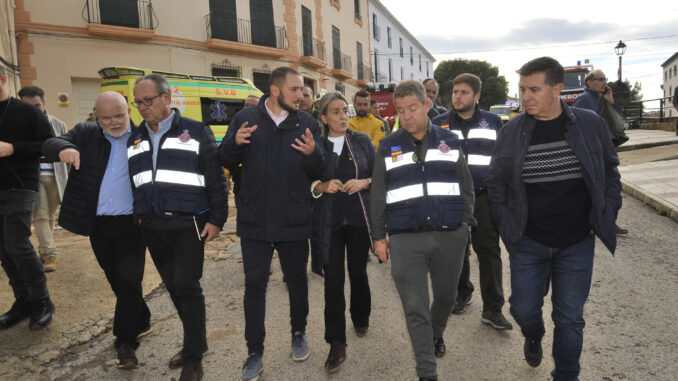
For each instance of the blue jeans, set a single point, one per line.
(569, 270)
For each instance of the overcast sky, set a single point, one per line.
(510, 33)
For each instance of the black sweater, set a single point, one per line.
(25, 127)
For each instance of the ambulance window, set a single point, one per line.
(220, 111)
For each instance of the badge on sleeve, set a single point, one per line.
(137, 140)
(443, 147)
(184, 137)
(396, 153)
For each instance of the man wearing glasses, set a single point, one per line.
(180, 203)
(591, 99)
(98, 203)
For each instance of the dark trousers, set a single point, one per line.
(485, 241)
(256, 259)
(355, 243)
(568, 271)
(120, 250)
(21, 263)
(179, 255)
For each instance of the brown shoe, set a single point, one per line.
(50, 264)
(361, 331)
(177, 361)
(336, 357)
(192, 371)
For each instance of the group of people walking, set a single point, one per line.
(418, 197)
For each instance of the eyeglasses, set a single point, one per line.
(603, 79)
(146, 101)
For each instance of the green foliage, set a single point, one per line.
(494, 88)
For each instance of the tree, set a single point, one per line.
(494, 88)
(624, 94)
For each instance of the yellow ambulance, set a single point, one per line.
(210, 99)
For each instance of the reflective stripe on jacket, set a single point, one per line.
(422, 195)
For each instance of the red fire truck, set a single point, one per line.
(574, 81)
(384, 97)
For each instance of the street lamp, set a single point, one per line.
(619, 50)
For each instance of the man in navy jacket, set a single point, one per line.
(477, 131)
(553, 183)
(98, 203)
(275, 145)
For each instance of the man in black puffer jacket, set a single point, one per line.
(98, 203)
(275, 144)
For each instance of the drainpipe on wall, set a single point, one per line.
(14, 59)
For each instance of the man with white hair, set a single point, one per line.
(98, 203)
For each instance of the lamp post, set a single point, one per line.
(619, 50)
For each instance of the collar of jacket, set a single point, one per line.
(471, 120)
(593, 93)
(530, 121)
(175, 123)
(292, 117)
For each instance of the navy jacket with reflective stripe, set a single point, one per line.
(188, 179)
(478, 144)
(426, 194)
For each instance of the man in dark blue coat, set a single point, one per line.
(180, 202)
(477, 131)
(592, 98)
(275, 144)
(553, 183)
(98, 203)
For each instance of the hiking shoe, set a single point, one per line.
(496, 320)
(620, 230)
(533, 352)
(439, 347)
(126, 357)
(461, 304)
(300, 350)
(49, 264)
(253, 367)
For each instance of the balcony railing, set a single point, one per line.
(310, 47)
(226, 27)
(342, 61)
(129, 13)
(364, 72)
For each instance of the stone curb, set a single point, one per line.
(662, 207)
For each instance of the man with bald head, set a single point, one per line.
(98, 203)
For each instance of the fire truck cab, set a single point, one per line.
(574, 81)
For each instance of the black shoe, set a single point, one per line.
(192, 371)
(126, 357)
(428, 378)
(439, 347)
(461, 304)
(148, 328)
(41, 314)
(497, 320)
(20, 310)
(533, 352)
(620, 230)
